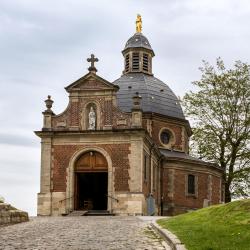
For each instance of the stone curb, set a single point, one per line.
(172, 239)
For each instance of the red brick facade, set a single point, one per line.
(154, 175)
(119, 155)
(157, 126)
(177, 130)
(109, 115)
(175, 196)
(74, 114)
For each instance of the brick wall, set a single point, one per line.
(180, 196)
(120, 161)
(167, 185)
(177, 200)
(119, 157)
(61, 156)
(216, 190)
(109, 114)
(180, 143)
(74, 114)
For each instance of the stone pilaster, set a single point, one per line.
(44, 197)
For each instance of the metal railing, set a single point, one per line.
(112, 197)
(66, 199)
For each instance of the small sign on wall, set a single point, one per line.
(150, 205)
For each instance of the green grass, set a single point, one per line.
(219, 227)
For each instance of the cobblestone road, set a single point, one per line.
(80, 233)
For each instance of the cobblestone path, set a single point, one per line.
(80, 233)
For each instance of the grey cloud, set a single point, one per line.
(18, 140)
(44, 45)
(18, 180)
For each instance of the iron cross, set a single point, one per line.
(92, 60)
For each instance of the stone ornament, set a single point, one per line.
(92, 60)
(137, 101)
(138, 23)
(92, 119)
(49, 103)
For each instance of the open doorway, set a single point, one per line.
(91, 191)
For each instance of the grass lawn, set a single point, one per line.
(219, 227)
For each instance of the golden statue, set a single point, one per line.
(138, 23)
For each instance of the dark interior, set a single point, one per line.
(92, 191)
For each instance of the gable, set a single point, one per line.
(91, 81)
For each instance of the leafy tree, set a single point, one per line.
(220, 113)
(1, 199)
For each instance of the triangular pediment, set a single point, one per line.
(91, 81)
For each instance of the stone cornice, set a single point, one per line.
(193, 161)
(50, 133)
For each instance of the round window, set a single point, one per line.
(165, 136)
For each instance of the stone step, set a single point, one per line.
(98, 213)
(78, 213)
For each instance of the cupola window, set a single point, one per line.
(135, 61)
(127, 63)
(145, 62)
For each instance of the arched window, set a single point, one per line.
(127, 63)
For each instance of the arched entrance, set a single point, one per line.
(91, 182)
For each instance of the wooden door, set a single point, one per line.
(91, 162)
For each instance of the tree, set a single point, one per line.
(220, 113)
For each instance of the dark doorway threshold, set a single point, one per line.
(91, 191)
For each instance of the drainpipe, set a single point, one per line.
(51, 175)
(150, 167)
(161, 183)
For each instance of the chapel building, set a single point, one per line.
(123, 147)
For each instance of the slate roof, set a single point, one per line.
(138, 40)
(183, 156)
(173, 154)
(157, 97)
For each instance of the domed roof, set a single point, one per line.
(138, 40)
(157, 97)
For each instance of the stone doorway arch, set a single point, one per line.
(70, 176)
(91, 182)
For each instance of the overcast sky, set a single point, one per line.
(44, 45)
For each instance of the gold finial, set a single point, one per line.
(138, 23)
